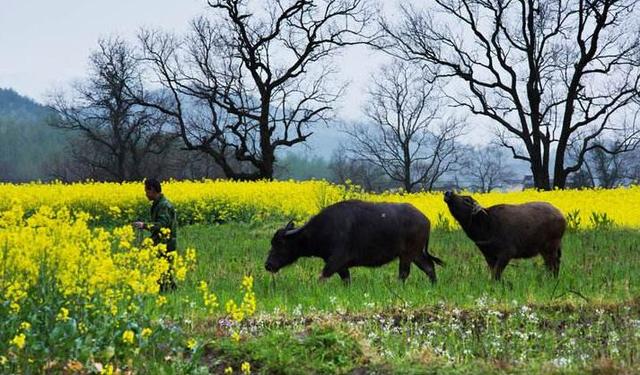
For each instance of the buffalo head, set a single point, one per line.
(283, 251)
(463, 208)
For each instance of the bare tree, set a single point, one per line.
(487, 169)
(362, 173)
(405, 137)
(551, 74)
(116, 134)
(244, 84)
(607, 169)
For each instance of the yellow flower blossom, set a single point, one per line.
(245, 368)
(107, 370)
(15, 308)
(234, 311)
(228, 370)
(235, 336)
(91, 266)
(247, 282)
(3, 360)
(128, 336)
(25, 326)
(210, 300)
(190, 256)
(192, 343)
(261, 200)
(115, 211)
(63, 315)
(146, 332)
(248, 305)
(165, 233)
(19, 340)
(161, 301)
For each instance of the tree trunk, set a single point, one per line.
(559, 173)
(407, 168)
(268, 157)
(540, 176)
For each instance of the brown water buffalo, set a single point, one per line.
(356, 233)
(510, 231)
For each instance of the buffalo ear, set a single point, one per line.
(289, 225)
(290, 230)
(477, 209)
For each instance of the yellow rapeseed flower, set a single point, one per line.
(234, 311)
(91, 266)
(161, 301)
(262, 200)
(63, 315)
(115, 211)
(247, 282)
(165, 233)
(25, 326)
(235, 336)
(3, 360)
(146, 332)
(128, 336)
(19, 340)
(15, 308)
(191, 343)
(245, 368)
(210, 300)
(228, 370)
(190, 255)
(107, 370)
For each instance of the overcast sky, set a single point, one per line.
(44, 45)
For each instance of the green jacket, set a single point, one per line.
(163, 215)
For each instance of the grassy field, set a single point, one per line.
(586, 320)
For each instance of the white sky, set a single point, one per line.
(44, 45)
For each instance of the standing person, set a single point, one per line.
(162, 227)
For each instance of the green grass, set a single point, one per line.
(596, 267)
(586, 320)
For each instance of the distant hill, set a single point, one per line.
(26, 141)
(15, 105)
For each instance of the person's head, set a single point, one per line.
(152, 188)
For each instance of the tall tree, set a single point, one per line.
(405, 135)
(117, 133)
(551, 74)
(244, 83)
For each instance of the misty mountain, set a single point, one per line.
(26, 141)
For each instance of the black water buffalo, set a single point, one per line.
(356, 233)
(510, 231)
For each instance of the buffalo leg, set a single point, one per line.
(331, 266)
(498, 267)
(427, 266)
(490, 259)
(552, 260)
(345, 276)
(404, 269)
